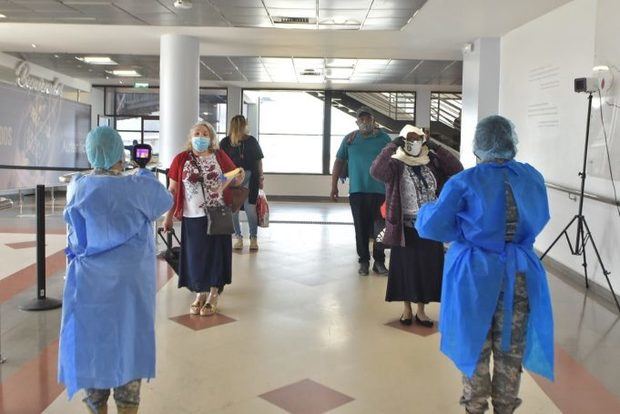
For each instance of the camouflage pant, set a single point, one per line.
(127, 395)
(504, 388)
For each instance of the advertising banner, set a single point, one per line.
(39, 129)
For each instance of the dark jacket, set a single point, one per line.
(443, 165)
(246, 156)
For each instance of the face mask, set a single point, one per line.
(201, 144)
(413, 147)
(365, 127)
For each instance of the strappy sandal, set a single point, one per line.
(196, 306)
(209, 308)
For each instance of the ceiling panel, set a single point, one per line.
(267, 69)
(385, 23)
(345, 4)
(331, 14)
(8, 6)
(310, 13)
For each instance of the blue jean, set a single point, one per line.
(250, 212)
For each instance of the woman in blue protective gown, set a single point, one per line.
(495, 297)
(107, 337)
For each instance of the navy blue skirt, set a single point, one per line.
(206, 261)
(416, 270)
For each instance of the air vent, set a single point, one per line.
(310, 72)
(293, 20)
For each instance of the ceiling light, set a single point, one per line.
(129, 73)
(2, 16)
(57, 56)
(339, 73)
(182, 4)
(340, 63)
(34, 46)
(97, 60)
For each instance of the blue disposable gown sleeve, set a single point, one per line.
(156, 200)
(439, 220)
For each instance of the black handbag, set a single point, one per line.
(220, 221)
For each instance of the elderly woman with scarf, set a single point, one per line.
(495, 297)
(414, 171)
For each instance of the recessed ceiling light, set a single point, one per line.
(2, 16)
(34, 46)
(97, 60)
(57, 56)
(126, 73)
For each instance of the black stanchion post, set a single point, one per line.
(42, 302)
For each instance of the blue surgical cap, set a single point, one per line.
(495, 139)
(104, 147)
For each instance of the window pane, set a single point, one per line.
(285, 123)
(343, 122)
(131, 101)
(279, 150)
(213, 108)
(129, 124)
(151, 124)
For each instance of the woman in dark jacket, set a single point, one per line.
(245, 152)
(413, 170)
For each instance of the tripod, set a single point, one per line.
(584, 235)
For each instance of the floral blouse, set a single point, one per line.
(196, 171)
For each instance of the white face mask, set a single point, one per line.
(413, 147)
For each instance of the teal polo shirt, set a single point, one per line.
(360, 154)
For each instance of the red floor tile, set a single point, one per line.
(306, 397)
(575, 390)
(198, 323)
(22, 245)
(31, 389)
(413, 328)
(26, 278)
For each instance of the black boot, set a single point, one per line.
(379, 268)
(363, 271)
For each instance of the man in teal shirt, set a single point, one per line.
(366, 195)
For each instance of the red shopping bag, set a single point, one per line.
(262, 209)
(384, 210)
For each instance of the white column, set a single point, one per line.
(179, 83)
(234, 106)
(481, 68)
(423, 108)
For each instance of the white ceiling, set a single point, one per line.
(259, 69)
(321, 14)
(437, 32)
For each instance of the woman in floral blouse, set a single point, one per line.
(196, 178)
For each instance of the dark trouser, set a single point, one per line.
(366, 214)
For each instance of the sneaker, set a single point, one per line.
(363, 271)
(253, 243)
(379, 268)
(238, 244)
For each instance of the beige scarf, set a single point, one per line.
(421, 159)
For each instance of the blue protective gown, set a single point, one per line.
(471, 213)
(107, 336)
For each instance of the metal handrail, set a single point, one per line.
(589, 196)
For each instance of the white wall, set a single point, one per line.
(302, 185)
(539, 62)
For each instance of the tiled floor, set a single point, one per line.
(298, 324)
